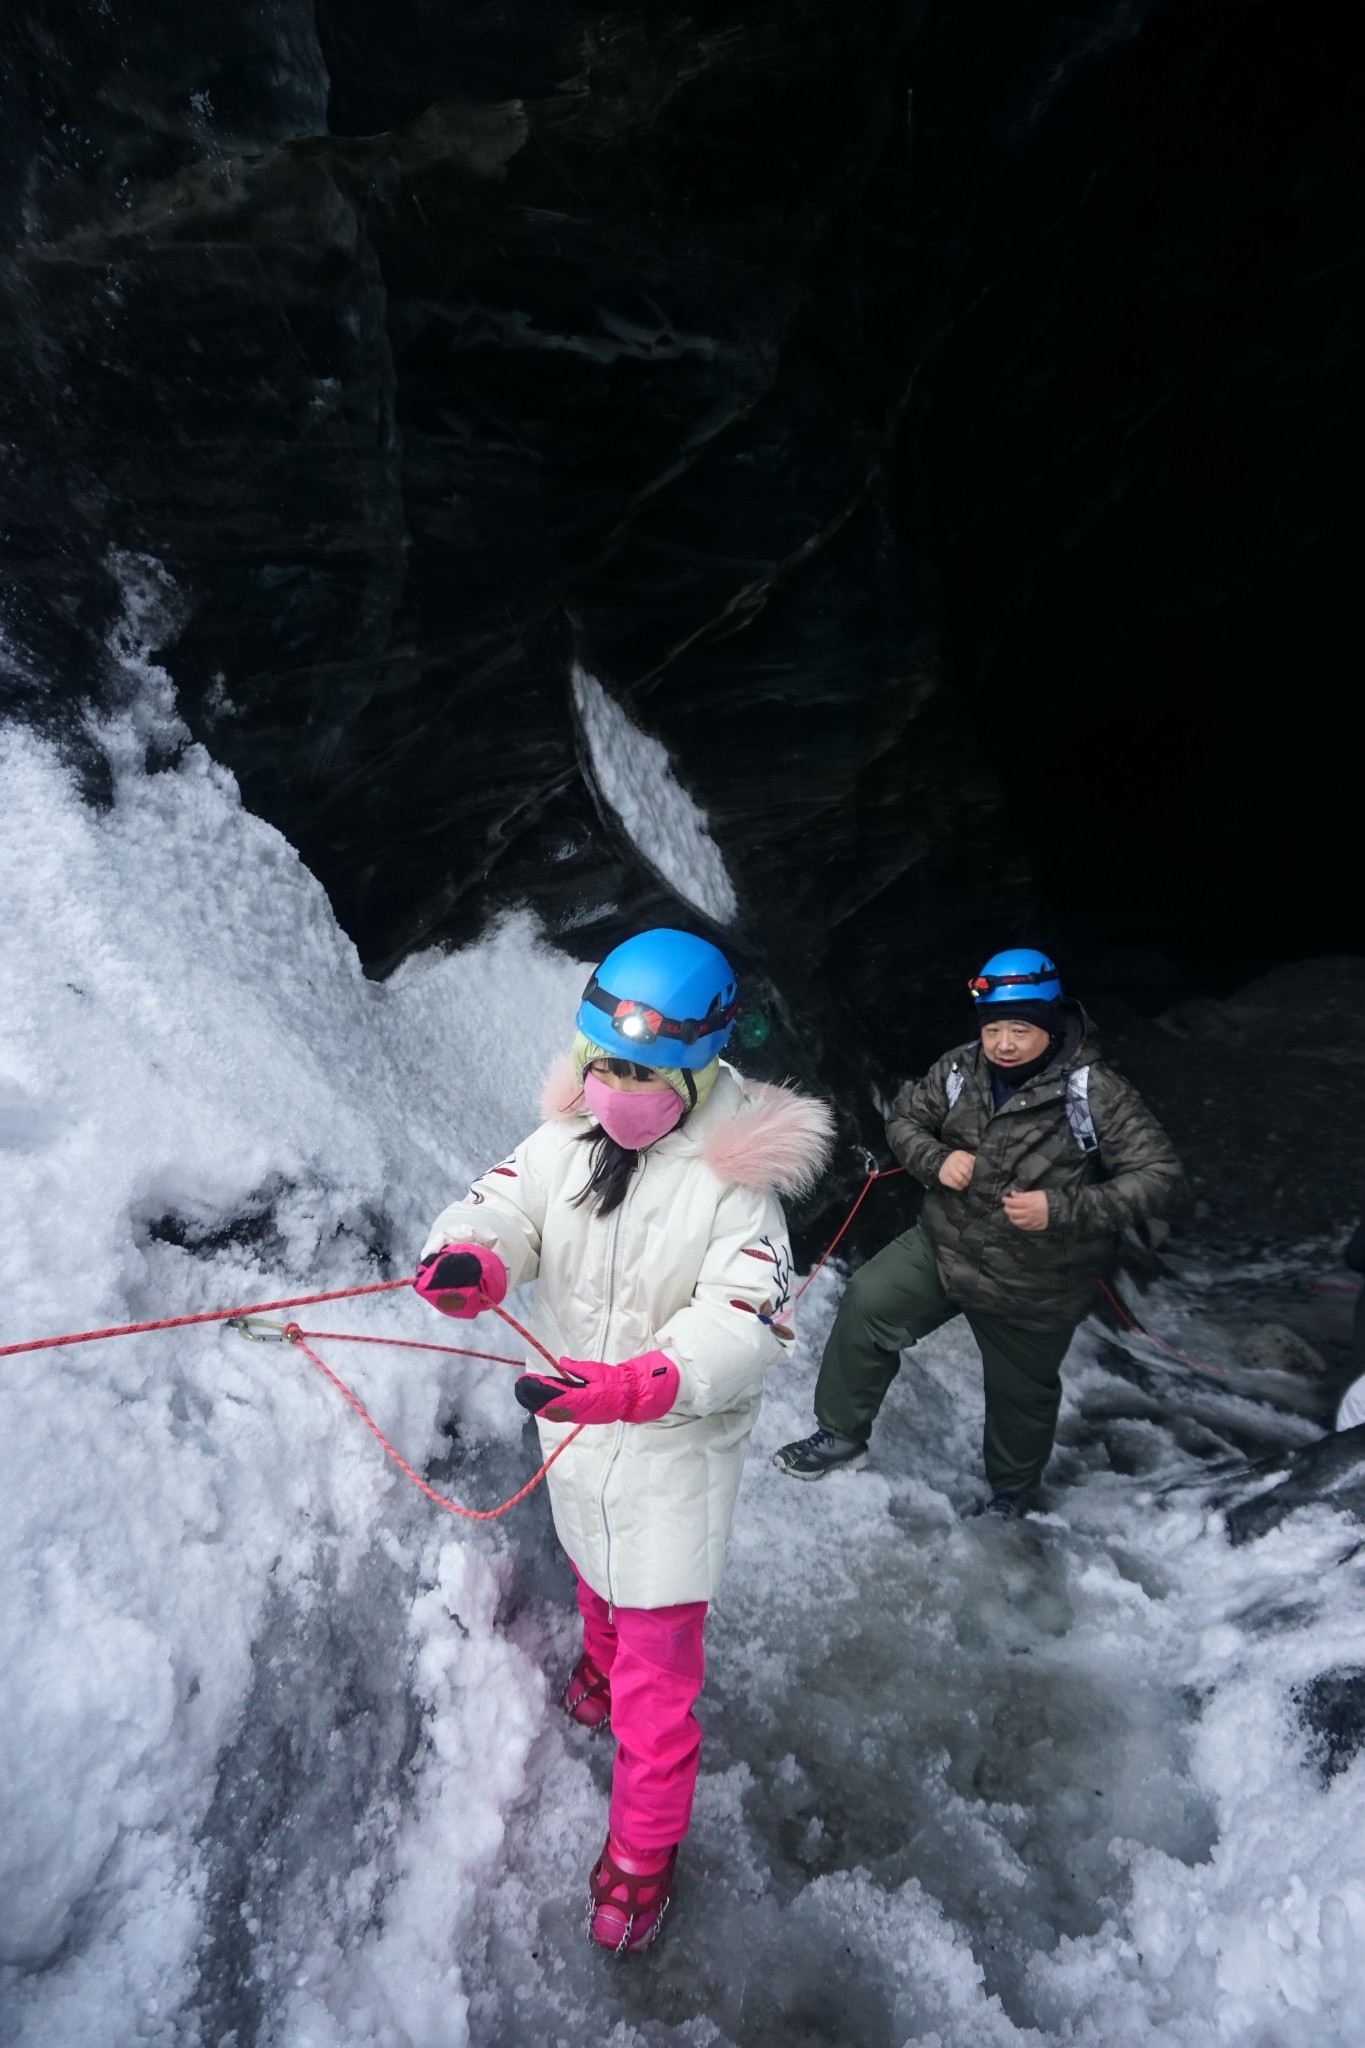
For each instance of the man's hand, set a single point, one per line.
(957, 1170)
(1027, 1212)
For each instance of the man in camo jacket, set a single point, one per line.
(1034, 1154)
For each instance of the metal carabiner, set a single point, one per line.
(870, 1166)
(258, 1328)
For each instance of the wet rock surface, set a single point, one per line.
(1333, 1707)
(1144, 414)
(1264, 1095)
(1331, 1471)
(427, 358)
(427, 352)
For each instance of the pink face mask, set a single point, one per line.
(635, 1121)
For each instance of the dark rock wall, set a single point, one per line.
(551, 334)
(1145, 457)
(730, 352)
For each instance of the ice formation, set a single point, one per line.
(276, 1740)
(635, 779)
(203, 1098)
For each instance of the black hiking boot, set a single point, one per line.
(811, 1457)
(1006, 1507)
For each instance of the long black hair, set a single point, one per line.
(612, 1166)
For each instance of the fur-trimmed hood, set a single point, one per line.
(752, 1134)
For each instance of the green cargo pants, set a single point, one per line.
(897, 1297)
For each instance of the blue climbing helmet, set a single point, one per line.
(1021, 975)
(663, 999)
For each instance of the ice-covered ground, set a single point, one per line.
(277, 1747)
(979, 1784)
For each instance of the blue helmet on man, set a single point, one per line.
(663, 999)
(1020, 975)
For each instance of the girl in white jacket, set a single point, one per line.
(646, 1210)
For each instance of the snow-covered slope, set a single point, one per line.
(277, 1754)
(202, 1101)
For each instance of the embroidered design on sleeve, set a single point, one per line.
(508, 1172)
(780, 1259)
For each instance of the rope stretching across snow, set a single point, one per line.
(296, 1336)
(213, 1315)
(292, 1333)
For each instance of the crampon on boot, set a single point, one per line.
(628, 1900)
(587, 1696)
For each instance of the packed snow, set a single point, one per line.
(277, 1737)
(635, 779)
(244, 1785)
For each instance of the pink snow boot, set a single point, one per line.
(630, 1891)
(587, 1696)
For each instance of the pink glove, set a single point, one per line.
(638, 1390)
(457, 1277)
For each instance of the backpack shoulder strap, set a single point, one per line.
(1078, 1110)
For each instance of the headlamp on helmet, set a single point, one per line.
(667, 997)
(1021, 974)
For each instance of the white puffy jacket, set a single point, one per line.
(695, 1262)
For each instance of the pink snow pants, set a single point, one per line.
(653, 1657)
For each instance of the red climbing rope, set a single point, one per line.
(299, 1338)
(296, 1337)
(874, 1172)
(292, 1333)
(1130, 1322)
(523, 1333)
(401, 1344)
(213, 1315)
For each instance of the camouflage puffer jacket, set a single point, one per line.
(1038, 1279)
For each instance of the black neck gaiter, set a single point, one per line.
(1010, 1078)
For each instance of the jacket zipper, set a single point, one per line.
(1026, 1098)
(620, 1427)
